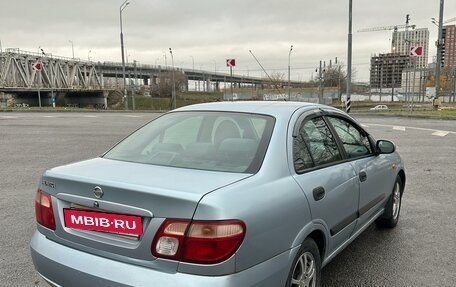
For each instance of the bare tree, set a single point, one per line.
(334, 76)
(277, 80)
(446, 79)
(166, 83)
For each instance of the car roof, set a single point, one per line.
(276, 109)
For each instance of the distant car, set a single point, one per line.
(228, 194)
(379, 107)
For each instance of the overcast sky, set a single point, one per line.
(207, 32)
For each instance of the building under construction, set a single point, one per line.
(386, 70)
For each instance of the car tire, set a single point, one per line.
(306, 267)
(392, 211)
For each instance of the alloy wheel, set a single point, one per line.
(304, 272)
(396, 200)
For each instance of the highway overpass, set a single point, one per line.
(30, 73)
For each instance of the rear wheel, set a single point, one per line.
(390, 216)
(305, 271)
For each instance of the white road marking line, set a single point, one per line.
(9, 117)
(364, 125)
(440, 133)
(398, 128)
(49, 116)
(131, 116)
(415, 128)
(89, 116)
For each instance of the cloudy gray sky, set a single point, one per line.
(207, 32)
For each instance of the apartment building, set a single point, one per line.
(405, 41)
(449, 47)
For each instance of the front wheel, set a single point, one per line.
(390, 216)
(306, 268)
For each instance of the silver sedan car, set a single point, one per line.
(231, 194)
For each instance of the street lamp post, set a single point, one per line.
(193, 64)
(173, 92)
(40, 79)
(88, 55)
(454, 84)
(50, 77)
(439, 52)
(202, 78)
(193, 68)
(72, 47)
(349, 56)
(122, 7)
(289, 72)
(51, 80)
(215, 74)
(166, 60)
(320, 83)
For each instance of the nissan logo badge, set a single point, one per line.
(98, 192)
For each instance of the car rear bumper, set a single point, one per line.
(62, 266)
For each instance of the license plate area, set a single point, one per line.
(99, 221)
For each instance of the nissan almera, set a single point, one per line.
(232, 194)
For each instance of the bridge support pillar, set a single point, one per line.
(102, 80)
(145, 81)
(217, 86)
(60, 99)
(105, 99)
(2, 100)
(208, 84)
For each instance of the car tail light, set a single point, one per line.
(206, 242)
(43, 210)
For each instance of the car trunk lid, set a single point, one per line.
(150, 193)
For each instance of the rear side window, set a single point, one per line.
(215, 141)
(355, 142)
(314, 145)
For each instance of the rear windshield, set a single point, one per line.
(215, 141)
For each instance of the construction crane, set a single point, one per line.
(383, 28)
(395, 28)
(405, 26)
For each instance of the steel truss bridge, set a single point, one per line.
(25, 73)
(22, 71)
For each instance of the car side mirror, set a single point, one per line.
(385, 147)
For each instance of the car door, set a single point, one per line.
(370, 169)
(329, 183)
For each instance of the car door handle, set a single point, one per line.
(318, 193)
(362, 176)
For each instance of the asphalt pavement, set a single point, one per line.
(420, 251)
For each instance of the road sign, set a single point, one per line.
(416, 51)
(230, 62)
(37, 66)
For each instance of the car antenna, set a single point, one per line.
(270, 79)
